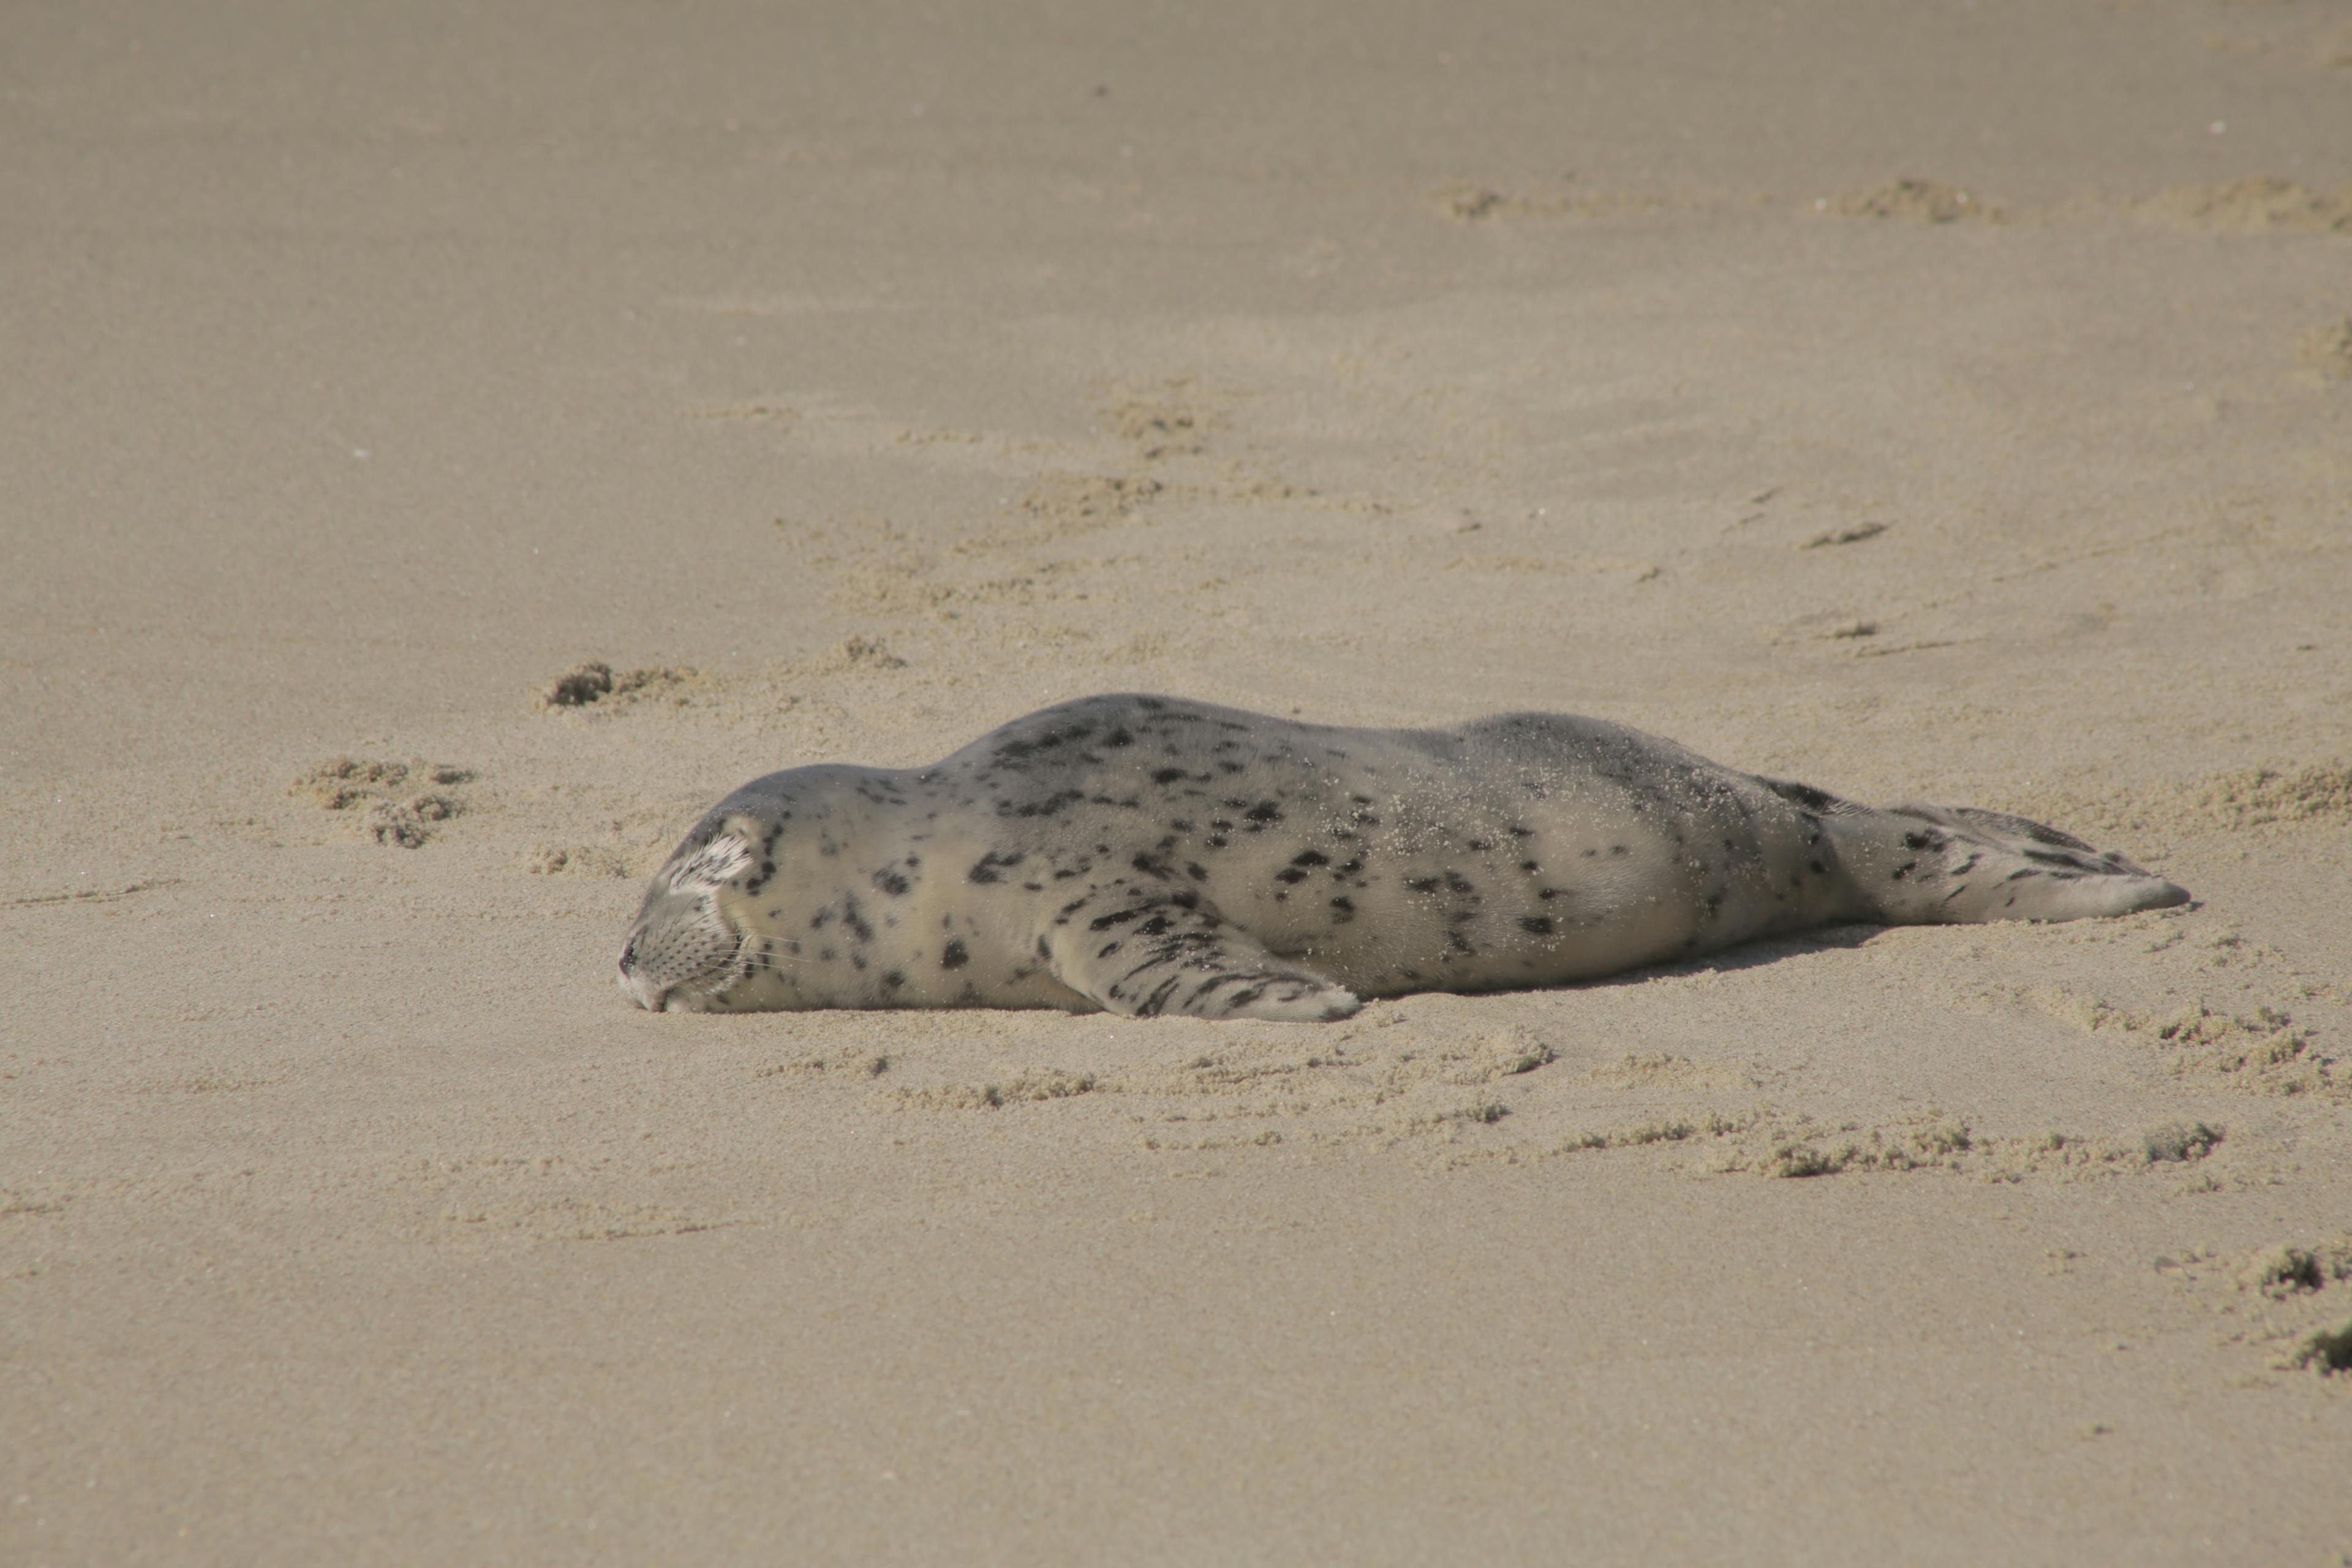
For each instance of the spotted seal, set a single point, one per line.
(1145, 855)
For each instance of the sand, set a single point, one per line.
(1942, 403)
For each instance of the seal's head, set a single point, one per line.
(682, 951)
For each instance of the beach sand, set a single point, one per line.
(1947, 404)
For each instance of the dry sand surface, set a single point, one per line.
(1950, 402)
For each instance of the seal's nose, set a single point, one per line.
(634, 985)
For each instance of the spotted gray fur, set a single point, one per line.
(1149, 854)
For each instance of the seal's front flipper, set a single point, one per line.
(1139, 955)
(1940, 864)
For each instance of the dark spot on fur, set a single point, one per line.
(1801, 794)
(1013, 750)
(1538, 924)
(989, 867)
(892, 883)
(1050, 806)
(955, 955)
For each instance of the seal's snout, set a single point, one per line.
(633, 984)
(680, 951)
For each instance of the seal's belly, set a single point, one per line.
(1522, 902)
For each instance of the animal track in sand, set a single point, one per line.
(578, 860)
(2261, 1054)
(2285, 1299)
(1167, 421)
(596, 684)
(542, 1198)
(90, 895)
(1913, 201)
(595, 833)
(393, 815)
(2262, 204)
(1507, 1096)
(1068, 504)
(1471, 202)
(571, 1218)
(1038, 1084)
(851, 653)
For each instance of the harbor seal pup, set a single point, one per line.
(1146, 855)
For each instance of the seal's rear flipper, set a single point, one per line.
(1914, 865)
(1141, 954)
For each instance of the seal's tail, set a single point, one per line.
(1920, 865)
